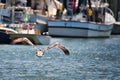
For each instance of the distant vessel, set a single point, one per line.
(19, 23)
(116, 29)
(31, 33)
(95, 19)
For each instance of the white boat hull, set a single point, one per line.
(78, 29)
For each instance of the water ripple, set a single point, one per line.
(89, 59)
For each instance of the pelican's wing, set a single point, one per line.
(58, 45)
(63, 49)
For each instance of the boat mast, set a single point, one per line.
(103, 10)
(78, 7)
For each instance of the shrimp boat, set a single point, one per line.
(31, 32)
(94, 19)
(16, 23)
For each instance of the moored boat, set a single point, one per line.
(19, 22)
(33, 34)
(95, 19)
(116, 29)
(78, 29)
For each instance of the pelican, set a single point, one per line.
(41, 52)
(59, 45)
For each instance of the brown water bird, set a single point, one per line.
(59, 45)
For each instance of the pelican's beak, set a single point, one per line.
(39, 53)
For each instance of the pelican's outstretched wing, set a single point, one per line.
(58, 45)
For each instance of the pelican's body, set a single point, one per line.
(41, 52)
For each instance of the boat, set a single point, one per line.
(78, 29)
(95, 19)
(32, 34)
(116, 29)
(21, 22)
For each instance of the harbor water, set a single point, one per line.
(89, 59)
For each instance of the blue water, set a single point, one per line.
(89, 59)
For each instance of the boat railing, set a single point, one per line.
(110, 11)
(25, 28)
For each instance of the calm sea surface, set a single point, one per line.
(89, 59)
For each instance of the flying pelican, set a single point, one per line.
(59, 45)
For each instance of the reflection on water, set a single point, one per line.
(89, 59)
